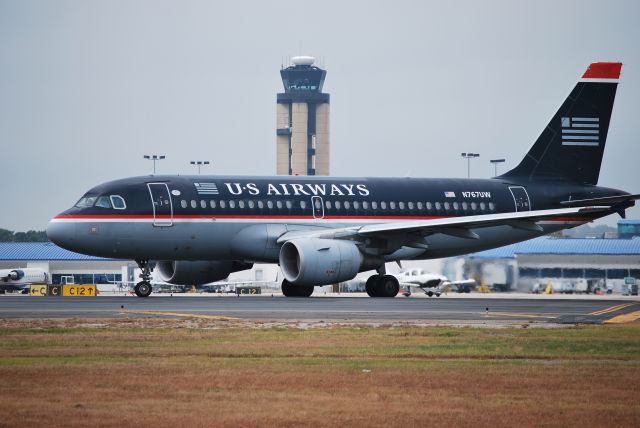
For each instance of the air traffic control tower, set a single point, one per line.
(303, 120)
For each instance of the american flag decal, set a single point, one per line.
(580, 131)
(206, 188)
(449, 194)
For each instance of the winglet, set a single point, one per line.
(603, 70)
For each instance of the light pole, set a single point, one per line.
(468, 157)
(495, 163)
(199, 163)
(154, 158)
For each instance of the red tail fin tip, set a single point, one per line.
(603, 70)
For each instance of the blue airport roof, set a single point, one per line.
(41, 251)
(564, 246)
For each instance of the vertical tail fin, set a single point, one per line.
(571, 146)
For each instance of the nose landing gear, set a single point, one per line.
(143, 288)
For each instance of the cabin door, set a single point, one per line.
(161, 203)
(521, 198)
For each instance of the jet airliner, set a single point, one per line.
(324, 230)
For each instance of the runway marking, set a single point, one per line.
(512, 314)
(611, 309)
(178, 314)
(624, 318)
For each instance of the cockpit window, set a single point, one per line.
(86, 201)
(103, 202)
(118, 202)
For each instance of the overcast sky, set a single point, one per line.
(88, 87)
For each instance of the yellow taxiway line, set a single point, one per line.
(611, 309)
(624, 318)
(178, 314)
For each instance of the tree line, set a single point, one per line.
(28, 236)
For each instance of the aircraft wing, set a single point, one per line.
(454, 226)
(609, 200)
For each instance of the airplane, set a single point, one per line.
(430, 283)
(20, 279)
(325, 230)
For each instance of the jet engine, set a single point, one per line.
(182, 272)
(314, 261)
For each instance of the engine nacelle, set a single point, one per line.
(182, 272)
(313, 261)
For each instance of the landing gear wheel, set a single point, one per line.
(291, 290)
(142, 289)
(387, 286)
(370, 286)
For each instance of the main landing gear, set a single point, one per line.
(291, 290)
(382, 286)
(143, 288)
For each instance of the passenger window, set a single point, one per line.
(212, 203)
(455, 206)
(289, 204)
(223, 204)
(270, 204)
(410, 204)
(327, 204)
(251, 204)
(483, 207)
(401, 205)
(232, 204)
(118, 202)
(438, 206)
(347, 205)
(279, 204)
(303, 204)
(337, 205)
(474, 206)
(429, 206)
(420, 205)
(365, 205)
(203, 204)
(241, 204)
(392, 205)
(183, 203)
(356, 205)
(465, 206)
(447, 205)
(383, 205)
(374, 205)
(193, 204)
(103, 202)
(260, 204)
(492, 206)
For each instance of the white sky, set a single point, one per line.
(88, 87)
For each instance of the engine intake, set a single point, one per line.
(182, 272)
(314, 261)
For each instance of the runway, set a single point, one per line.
(328, 309)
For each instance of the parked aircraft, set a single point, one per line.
(430, 283)
(20, 279)
(324, 230)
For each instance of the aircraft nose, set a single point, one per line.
(60, 233)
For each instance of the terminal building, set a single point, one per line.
(302, 120)
(568, 264)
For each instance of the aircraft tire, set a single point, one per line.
(143, 289)
(291, 290)
(371, 286)
(387, 286)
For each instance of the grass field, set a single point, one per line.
(177, 373)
